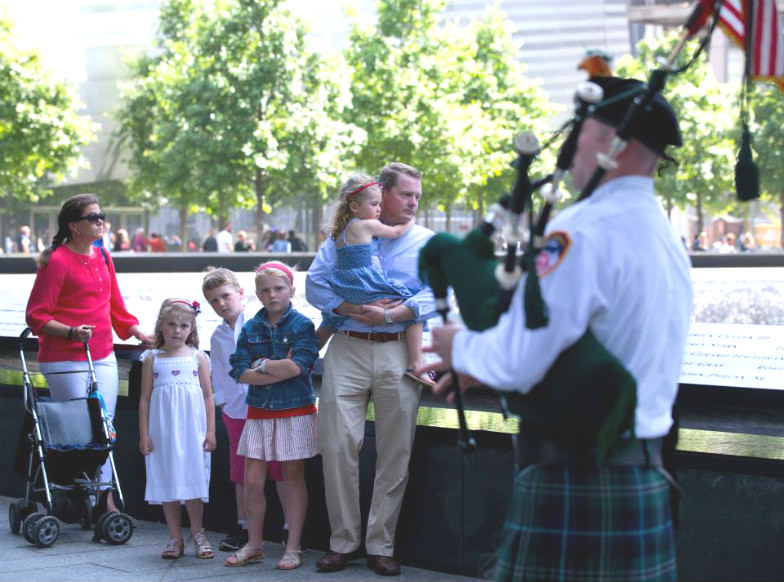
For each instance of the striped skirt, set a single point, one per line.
(279, 439)
(610, 524)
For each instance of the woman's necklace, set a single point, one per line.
(80, 249)
(83, 256)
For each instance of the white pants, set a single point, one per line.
(75, 385)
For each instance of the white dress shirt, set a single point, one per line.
(623, 273)
(228, 391)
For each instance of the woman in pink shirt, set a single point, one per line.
(75, 299)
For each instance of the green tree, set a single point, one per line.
(234, 110)
(498, 102)
(444, 99)
(704, 174)
(768, 119)
(41, 132)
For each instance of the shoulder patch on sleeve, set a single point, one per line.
(555, 248)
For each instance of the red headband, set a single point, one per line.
(358, 190)
(192, 304)
(276, 265)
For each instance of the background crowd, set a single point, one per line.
(274, 240)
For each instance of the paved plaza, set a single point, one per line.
(74, 557)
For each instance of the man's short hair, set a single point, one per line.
(657, 127)
(388, 176)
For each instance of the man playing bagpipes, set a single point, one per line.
(592, 503)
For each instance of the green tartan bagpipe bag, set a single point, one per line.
(587, 398)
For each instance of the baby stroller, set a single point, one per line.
(66, 444)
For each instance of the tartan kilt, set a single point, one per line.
(612, 523)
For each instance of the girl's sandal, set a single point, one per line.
(245, 555)
(203, 547)
(173, 549)
(291, 559)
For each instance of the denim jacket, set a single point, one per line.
(260, 339)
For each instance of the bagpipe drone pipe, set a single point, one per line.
(587, 398)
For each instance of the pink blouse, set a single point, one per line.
(76, 289)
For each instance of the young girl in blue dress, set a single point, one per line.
(177, 424)
(359, 277)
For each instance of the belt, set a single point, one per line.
(376, 336)
(539, 450)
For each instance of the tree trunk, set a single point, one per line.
(223, 213)
(480, 208)
(300, 219)
(781, 218)
(668, 198)
(448, 215)
(183, 210)
(258, 187)
(317, 222)
(699, 213)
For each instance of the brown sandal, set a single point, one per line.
(203, 547)
(291, 559)
(173, 549)
(244, 556)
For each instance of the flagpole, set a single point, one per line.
(748, 40)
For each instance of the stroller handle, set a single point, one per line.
(25, 333)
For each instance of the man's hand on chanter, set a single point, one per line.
(441, 344)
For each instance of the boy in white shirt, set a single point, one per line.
(225, 295)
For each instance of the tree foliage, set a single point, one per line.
(444, 99)
(41, 133)
(767, 103)
(703, 177)
(233, 110)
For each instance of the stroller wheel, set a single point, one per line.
(98, 532)
(17, 511)
(27, 526)
(45, 531)
(117, 528)
(14, 518)
(87, 514)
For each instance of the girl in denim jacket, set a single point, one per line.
(275, 354)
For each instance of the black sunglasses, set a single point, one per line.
(92, 217)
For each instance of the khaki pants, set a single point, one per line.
(356, 370)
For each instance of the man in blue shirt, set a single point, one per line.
(368, 356)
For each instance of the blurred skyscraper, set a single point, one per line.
(555, 35)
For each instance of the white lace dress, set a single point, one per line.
(178, 468)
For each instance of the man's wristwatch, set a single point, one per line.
(387, 317)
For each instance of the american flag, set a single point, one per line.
(765, 56)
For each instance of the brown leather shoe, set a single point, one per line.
(332, 562)
(383, 565)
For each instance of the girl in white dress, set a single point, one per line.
(177, 424)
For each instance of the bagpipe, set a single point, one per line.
(560, 405)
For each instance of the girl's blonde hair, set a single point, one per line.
(355, 189)
(178, 309)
